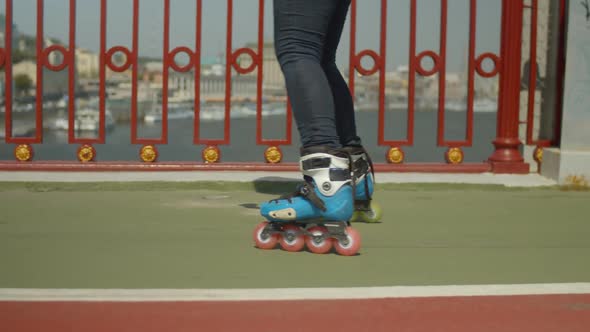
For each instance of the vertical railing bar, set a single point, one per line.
(134, 52)
(260, 72)
(351, 69)
(259, 119)
(412, 74)
(102, 69)
(166, 72)
(442, 73)
(228, 72)
(289, 130)
(8, 72)
(471, 71)
(197, 120)
(382, 72)
(39, 88)
(71, 57)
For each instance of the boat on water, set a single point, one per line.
(174, 113)
(479, 106)
(86, 119)
(485, 106)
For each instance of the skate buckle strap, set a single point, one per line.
(337, 174)
(307, 190)
(316, 163)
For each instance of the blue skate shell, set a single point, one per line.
(361, 193)
(339, 207)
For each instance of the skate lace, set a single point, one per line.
(289, 197)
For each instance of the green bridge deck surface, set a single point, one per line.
(199, 235)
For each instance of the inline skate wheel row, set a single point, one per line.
(317, 239)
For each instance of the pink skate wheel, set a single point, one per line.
(351, 246)
(265, 240)
(318, 242)
(292, 239)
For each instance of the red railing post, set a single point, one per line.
(507, 157)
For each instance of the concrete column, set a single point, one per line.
(572, 158)
(547, 53)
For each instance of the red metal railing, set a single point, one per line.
(415, 67)
(507, 65)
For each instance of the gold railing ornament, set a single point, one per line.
(538, 154)
(395, 155)
(86, 153)
(273, 155)
(148, 153)
(211, 155)
(454, 156)
(23, 153)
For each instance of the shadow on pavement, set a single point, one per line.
(275, 185)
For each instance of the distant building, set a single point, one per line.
(273, 81)
(27, 68)
(87, 63)
(212, 87)
(53, 82)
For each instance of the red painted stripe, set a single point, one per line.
(517, 313)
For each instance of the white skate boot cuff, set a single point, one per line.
(319, 166)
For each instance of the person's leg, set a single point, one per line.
(362, 166)
(301, 27)
(344, 106)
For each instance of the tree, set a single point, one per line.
(22, 84)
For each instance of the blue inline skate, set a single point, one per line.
(363, 175)
(317, 215)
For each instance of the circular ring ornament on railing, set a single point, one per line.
(55, 48)
(172, 59)
(435, 67)
(23, 153)
(148, 154)
(479, 65)
(538, 154)
(273, 155)
(86, 153)
(454, 156)
(359, 66)
(395, 155)
(241, 52)
(211, 155)
(125, 65)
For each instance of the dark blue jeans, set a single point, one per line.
(307, 34)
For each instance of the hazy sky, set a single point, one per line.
(245, 25)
